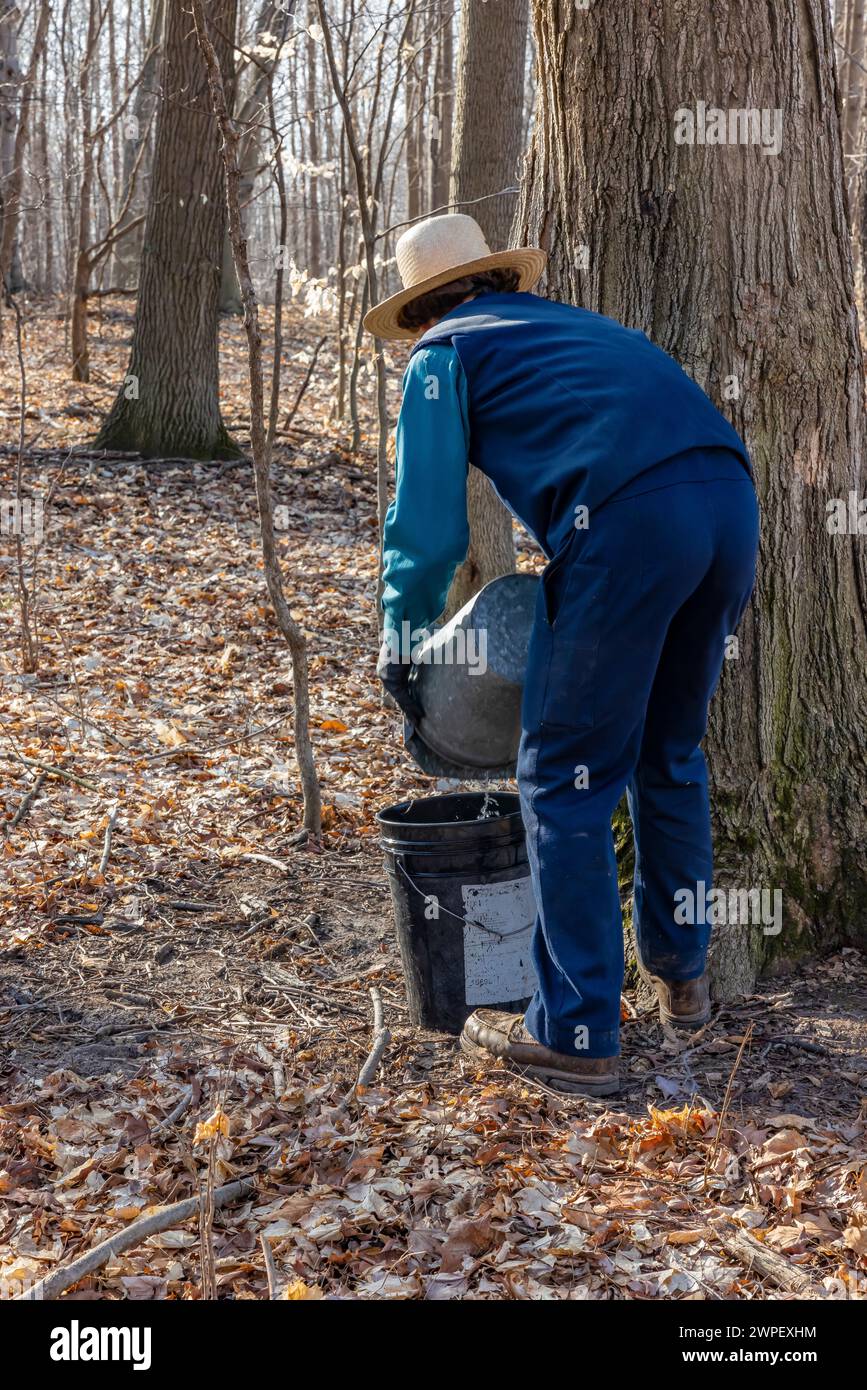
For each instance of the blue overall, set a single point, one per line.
(640, 493)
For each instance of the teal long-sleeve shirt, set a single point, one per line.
(426, 532)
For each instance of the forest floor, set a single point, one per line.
(199, 1011)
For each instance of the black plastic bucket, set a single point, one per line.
(463, 904)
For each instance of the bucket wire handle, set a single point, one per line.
(467, 921)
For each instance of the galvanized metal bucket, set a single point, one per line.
(469, 680)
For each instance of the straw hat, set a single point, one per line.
(437, 251)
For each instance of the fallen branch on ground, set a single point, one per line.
(172, 1118)
(163, 1219)
(269, 859)
(749, 1251)
(28, 801)
(106, 844)
(52, 771)
(270, 1269)
(381, 1039)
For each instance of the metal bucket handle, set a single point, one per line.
(467, 921)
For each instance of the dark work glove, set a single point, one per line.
(395, 677)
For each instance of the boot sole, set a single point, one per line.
(567, 1080)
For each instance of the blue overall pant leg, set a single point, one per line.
(627, 649)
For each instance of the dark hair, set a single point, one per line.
(439, 301)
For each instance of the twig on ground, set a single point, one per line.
(106, 844)
(51, 771)
(94, 724)
(725, 1105)
(206, 1228)
(270, 1269)
(768, 1263)
(278, 1071)
(172, 1118)
(803, 1043)
(381, 1039)
(24, 808)
(191, 748)
(163, 1219)
(280, 864)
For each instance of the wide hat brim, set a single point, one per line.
(382, 320)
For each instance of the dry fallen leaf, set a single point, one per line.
(469, 1237)
(298, 1291)
(216, 1124)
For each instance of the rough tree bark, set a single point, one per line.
(169, 401)
(488, 143)
(738, 263)
(293, 634)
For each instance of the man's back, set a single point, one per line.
(567, 407)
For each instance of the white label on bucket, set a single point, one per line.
(498, 965)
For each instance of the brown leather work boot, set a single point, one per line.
(683, 1003)
(492, 1033)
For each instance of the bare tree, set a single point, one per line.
(14, 132)
(285, 621)
(314, 222)
(168, 403)
(368, 158)
(440, 126)
(136, 152)
(81, 276)
(271, 29)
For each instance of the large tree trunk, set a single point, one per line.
(489, 113)
(737, 262)
(169, 401)
(488, 143)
